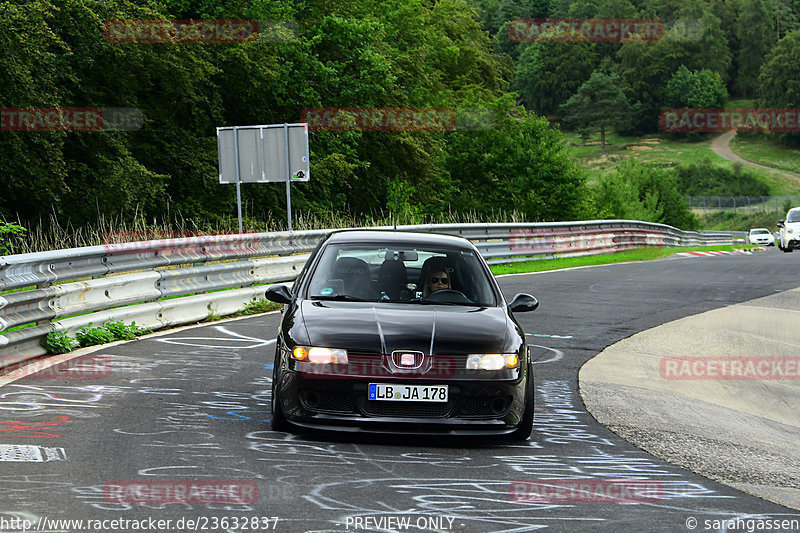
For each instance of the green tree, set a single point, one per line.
(787, 17)
(696, 89)
(779, 80)
(519, 164)
(599, 104)
(725, 11)
(637, 191)
(548, 73)
(756, 37)
(644, 67)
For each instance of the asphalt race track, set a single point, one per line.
(190, 409)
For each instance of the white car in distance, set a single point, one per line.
(790, 231)
(760, 236)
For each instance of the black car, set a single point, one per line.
(395, 332)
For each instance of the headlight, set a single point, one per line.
(492, 361)
(321, 356)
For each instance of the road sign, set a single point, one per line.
(263, 154)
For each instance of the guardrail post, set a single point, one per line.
(43, 285)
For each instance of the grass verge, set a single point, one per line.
(767, 150)
(637, 254)
(668, 151)
(728, 221)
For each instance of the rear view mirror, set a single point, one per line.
(780, 223)
(393, 255)
(523, 302)
(279, 294)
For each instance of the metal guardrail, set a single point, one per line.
(169, 282)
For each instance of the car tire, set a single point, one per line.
(526, 423)
(788, 249)
(277, 420)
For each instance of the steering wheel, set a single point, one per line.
(448, 296)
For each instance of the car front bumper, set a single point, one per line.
(473, 407)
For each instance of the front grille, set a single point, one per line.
(405, 409)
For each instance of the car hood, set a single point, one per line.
(385, 327)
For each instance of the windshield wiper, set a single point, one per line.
(432, 302)
(339, 297)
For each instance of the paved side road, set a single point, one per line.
(721, 146)
(668, 391)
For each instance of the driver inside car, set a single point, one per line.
(437, 280)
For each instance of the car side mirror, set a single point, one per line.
(780, 223)
(279, 294)
(523, 302)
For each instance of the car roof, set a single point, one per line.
(404, 237)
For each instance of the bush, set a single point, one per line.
(256, 307)
(636, 191)
(58, 342)
(122, 332)
(10, 234)
(706, 179)
(696, 89)
(90, 336)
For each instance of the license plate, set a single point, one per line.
(408, 393)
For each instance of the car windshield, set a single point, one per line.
(759, 232)
(410, 274)
(793, 216)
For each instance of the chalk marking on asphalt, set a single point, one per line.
(557, 354)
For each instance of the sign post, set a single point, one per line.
(263, 154)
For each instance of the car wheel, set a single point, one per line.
(526, 424)
(788, 249)
(278, 421)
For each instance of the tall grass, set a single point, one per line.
(51, 234)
